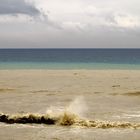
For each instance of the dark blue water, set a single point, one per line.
(69, 58)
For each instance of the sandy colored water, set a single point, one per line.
(106, 96)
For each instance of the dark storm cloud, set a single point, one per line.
(14, 7)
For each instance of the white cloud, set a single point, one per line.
(75, 13)
(81, 13)
(127, 21)
(62, 23)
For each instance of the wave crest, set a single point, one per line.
(64, 119)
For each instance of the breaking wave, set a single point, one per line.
(64, 119)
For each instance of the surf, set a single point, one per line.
(64, 119)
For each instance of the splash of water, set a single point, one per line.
(78, 106)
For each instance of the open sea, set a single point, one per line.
(69, 58)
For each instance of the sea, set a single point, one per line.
(69, 94)
(70, 58)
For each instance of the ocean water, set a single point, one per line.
(69, 103)
(69, 58)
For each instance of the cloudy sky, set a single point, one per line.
(70, 23)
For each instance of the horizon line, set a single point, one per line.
(68, 48)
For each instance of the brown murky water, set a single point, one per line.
(38, 106)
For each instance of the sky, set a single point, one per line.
(69, 24)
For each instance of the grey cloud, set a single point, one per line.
(110, 18)
(14, 7)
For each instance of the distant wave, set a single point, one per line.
(64, 119)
